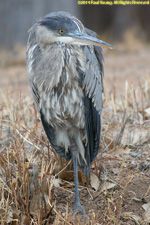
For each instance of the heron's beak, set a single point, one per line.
(84, 39)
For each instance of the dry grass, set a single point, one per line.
(29, 167)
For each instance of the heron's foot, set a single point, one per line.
(79, 208)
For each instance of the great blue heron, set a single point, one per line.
(65, 66)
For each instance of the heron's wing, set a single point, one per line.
(93, 128)
(98, 50)
(93, 79)
(92, 84)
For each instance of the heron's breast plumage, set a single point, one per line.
(61, 95)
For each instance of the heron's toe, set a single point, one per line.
(79, 208)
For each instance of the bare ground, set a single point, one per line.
(31, 189)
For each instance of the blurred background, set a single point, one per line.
(125, 27)
(17, 16)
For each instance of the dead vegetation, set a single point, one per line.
(33, 191)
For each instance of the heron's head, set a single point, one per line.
(63, 28)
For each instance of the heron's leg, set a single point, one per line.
(77, 206)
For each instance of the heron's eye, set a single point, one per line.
(61, 31)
